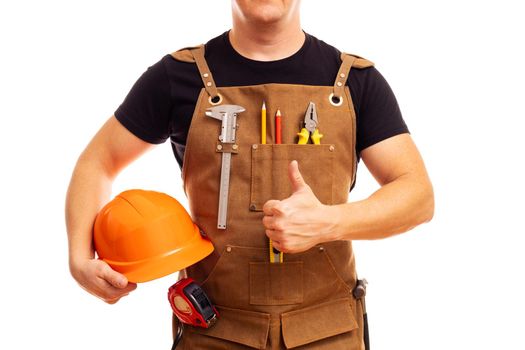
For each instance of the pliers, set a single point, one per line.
(309, 130)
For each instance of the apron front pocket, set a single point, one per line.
(269, 173)
(227, 283)
(248, 328)
(276, 284)
(324, 326)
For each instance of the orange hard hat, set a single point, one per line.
(147, 235)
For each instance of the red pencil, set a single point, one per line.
(278, 130)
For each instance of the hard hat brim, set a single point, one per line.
(165, 264)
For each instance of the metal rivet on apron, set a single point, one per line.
(335, 100)
(228, 249)
(215, 100)
(208, 83)
(254, 146)
(342, 75)
(253, 206)
(331, 148)
(205, 75)
(219, 147)
(321, 249)
(235, 146)
(339, 83)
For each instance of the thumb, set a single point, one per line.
(114, 278)
(295, 176)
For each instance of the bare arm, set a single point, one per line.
(111, 149)
(404, 201)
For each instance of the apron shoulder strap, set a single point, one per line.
(347, 62)
(359, 62)
(184, 54)
(195, 54)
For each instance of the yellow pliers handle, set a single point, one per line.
(304, 136)
(316, 137)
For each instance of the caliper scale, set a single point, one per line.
(227, 114)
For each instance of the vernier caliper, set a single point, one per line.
(227, 114)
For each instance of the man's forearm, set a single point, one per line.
(395, 208)
(89, 189)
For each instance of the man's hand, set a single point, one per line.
(298, 222)
(96, 277)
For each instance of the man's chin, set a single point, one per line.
(266, 14)
(266, 19)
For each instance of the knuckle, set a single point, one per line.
(113, 281)
(285, 209)
(278, 226)
(288, 249)
(281, 207)
(269, 205)
(279, 236)
(130, 287)
(284, 248)
(105, 295)
(112, 296)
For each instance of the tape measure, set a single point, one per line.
(191, 305)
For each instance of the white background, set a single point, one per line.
(457, 70)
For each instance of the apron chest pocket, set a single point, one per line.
(269, 173)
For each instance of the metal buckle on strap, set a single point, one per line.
(359, 292)
(360, 289)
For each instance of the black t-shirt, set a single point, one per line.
(160, 104)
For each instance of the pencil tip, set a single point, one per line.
(264, 105)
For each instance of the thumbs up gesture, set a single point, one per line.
(299, 222)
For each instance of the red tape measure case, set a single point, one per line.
(191, 305)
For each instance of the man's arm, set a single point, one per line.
(112, 149)
(404, 201)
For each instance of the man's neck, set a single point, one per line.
(267, 42)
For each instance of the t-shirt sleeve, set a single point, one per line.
(379, 114)
(146, 109)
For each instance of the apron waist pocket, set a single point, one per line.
(318, 322)
(240, 326)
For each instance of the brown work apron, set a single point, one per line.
(306, 302)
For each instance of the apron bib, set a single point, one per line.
(306, 302)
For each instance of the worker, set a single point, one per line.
(293, 195)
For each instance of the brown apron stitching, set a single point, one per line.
(342, 75)
(200, 161)
(204, 71)
(354, 137)
(340, 280)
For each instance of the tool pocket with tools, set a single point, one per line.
(269, 177)
(269, 173)
(299, 301)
